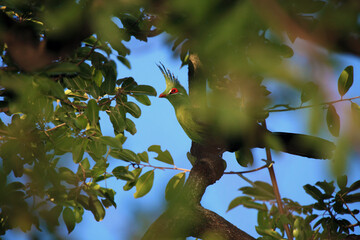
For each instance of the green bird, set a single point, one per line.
(205, 128)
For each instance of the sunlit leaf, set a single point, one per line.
(163, 156)
(144, 184)
(174, 186)
(346, 80)
(144, 157)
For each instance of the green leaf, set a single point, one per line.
(133, 109)
(124, 154)
(143, 99)
(109, 195)
(352, 198)
(124, 61)
(92, 112)
(109, 72)
(355, 113)
(342, 181)
(328, 187)
(78, 212)
(144, 157)
(144, 90)
(123, 173)
(69, 219)
(313, 192)
(174, 186)
(81, 122)
(238, 201)
(346, 80)
(333, 121)
(117, 120)
(354, 186)
(96, 208)
(244, 157)
(308, 91)
(130, 126)
(127, 83)
(63, 68)
(163, 156)
(79, 149)
(111, 141)
(144, 184)
(97, 78)
(268, 232)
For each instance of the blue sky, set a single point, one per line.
(158, 125)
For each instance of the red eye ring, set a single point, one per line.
(173, 90)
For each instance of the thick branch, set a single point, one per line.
(185, 216)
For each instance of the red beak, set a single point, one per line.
(162, 95)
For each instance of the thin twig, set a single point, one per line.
(276, 188)
(164, 168)
(311, 106)
(88, 55)
(188, 170)
(57, 126)
(248, 171)
(352, 214)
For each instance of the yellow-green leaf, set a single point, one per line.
(69, 219)
(144, 184)
(346, 80)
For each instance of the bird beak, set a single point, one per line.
(162, 95)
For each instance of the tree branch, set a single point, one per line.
(185, 216)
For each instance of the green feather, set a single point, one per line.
(202, 128)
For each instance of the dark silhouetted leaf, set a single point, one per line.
(313, 192)
(342, 181)
(333, 121)
(244, 157)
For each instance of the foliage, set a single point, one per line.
(59, 81)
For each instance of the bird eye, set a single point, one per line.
(174, 90)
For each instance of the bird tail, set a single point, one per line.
(303, 145)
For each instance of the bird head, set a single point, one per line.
(174, 92)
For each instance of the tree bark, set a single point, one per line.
(185, 216)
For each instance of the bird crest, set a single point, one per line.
(169, 76)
